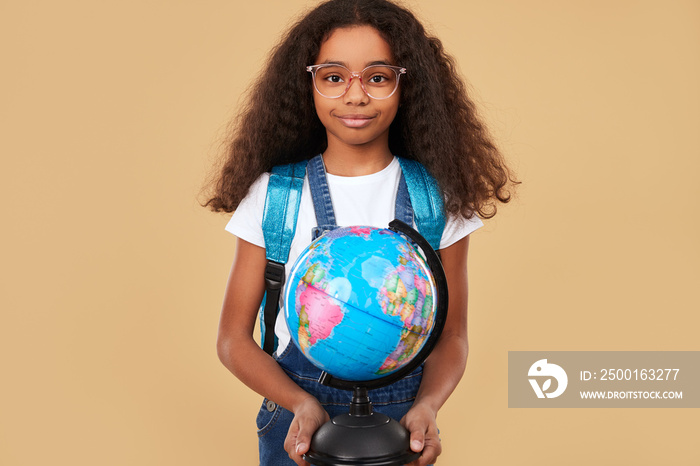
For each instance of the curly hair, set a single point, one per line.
(436, 124)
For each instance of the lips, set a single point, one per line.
(355, 120)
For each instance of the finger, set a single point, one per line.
(429, 455)
(291, 438)
(298, 460)
(432, 449)
(303, 439)
(302, 447)
(290, 444)
(417, 440)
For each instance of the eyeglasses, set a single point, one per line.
(377, 81)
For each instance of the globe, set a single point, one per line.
(360, 302)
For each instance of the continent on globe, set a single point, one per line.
(318, 312)
(414, 307)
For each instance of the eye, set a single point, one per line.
(331, 75)
(379, 76)
(377, 79)
(333, 78)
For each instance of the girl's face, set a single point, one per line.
(355, 118)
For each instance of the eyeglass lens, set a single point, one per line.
(379, 81)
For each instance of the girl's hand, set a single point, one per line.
(309, 415)
(420, 421)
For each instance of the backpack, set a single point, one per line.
(280, 220)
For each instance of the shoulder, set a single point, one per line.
(457, 227)
(246, 221)
(258, 187)
(255, 198)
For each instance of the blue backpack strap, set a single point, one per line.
(279, 224)
(426, 200)
(281, 209)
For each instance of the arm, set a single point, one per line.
(446, 364)
(239, 352)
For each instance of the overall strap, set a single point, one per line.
(426, 200)
(279, 224)
(323, 205)
(403, 209)
(321, 195)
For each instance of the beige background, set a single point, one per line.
(111, 114)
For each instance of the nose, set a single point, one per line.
(355, 92)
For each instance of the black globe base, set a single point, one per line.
(361, 437)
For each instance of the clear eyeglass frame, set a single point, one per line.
(354, 74)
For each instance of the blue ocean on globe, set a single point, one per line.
(360, 302)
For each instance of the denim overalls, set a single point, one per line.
(395, 400)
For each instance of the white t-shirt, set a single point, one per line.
(367, 200)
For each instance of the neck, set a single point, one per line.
(347, 160)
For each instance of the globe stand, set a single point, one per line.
(364, 437)
(361, 437)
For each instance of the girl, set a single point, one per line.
(358, 81)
